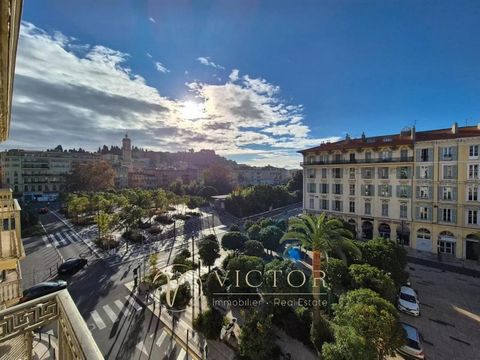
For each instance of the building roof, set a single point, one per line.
(404, 138)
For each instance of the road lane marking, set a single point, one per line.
(161, 339)
(98, 320)
(63, 239)
(122, 307)
(45, 240)
(69, 237)
(132, 301)
(110, 313)
(182, 354)
(140, 346)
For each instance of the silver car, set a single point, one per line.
(413, 347)
(408, 301)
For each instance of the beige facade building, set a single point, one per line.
(419, 188)
(244, 175)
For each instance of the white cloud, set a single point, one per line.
(91, 97)
(205, 60)
(160, 67)
(151, 19)
(149, 55)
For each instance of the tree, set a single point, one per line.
(253, 232)
(270, 237)
(296, 182)
(234, 227)
(160, 200)
(278, 284)
(209, 250)
(218, 177)
(91, 176)
(209, 323)
(238, 267)
(388, 256)
(321, 235)
(348, 345)
(131, 215)
(337, 276)
(370, 277)
(257, 338)
(254, 248)
(76, 206)
(374, 321)
(212, 287)
(233, 240)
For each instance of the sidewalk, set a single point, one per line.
(447, 263)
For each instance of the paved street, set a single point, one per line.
(450, 313)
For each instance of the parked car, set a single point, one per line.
(43, 210)
(42, 289)
(408, 301)
(71, 266)
(413, 347)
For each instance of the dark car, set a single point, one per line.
(42, 289)
(43, 210)
(71, 266)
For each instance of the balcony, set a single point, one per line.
(58, 311)
(359, 161)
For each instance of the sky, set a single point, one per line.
(256, 81)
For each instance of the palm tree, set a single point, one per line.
(322, 236)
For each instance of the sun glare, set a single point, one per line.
(191, 110)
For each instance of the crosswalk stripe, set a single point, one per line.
(182, 354)
(140, 346)
(121, 307)
(161, 339)
(70, 237)
(62, 238)
(133, 302)
(53, 240)
(98, 320)
(45, 240)
(110, 313)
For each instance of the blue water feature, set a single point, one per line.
(294, 253)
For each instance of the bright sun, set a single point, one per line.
(191, 110)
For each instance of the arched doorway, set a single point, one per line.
(367, 230)
(472, 247)
(446, 243)
(352, 226)
(424, 240)
(403, 234)
(384, 230)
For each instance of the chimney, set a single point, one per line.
(412, 133)
(478, 126)
(363, 135)
(347, 137)
(454, 128)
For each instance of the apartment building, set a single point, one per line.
(419, 188)
(39, 174)
(245, 175)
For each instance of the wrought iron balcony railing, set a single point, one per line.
(359, 161)
(75, 341)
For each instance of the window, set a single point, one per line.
(324, 173)
(423, 213)
(403, 211)
(424, 155)
(352, 173)
(384, 190)
(324, 204)
(449, 172)
(383, 173)
(368, 156)
(5, 225)
(472, 217)
(403, 191)
(351, 189)
(367, 173)
(473, 193)
(311, 173)
(336, 205)
(310, 159)
(312, 203)
(423, 234)
(324, 188)
(447, 153)
(337, 173)
(473, 152)
(446, 215)
(352, 206)
(386, 155)
(425, 172)
(404, 154)
(312, 187)
(352, 157)
(368, 208)
(446, 247)
(368, 190)
(447, 193)
(337, 189)
(423, 192)
(384, 209)
(337, 157)
(473, 171)
(403, 173)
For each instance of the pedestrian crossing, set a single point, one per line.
(61, 239)
(105, 316)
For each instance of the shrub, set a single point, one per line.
(133, 236)
(155, 230)
(233, 240)
(164, 219)
(235, 228)
(247, 224)
(181, 299)
(209, 323)
(253, 232)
